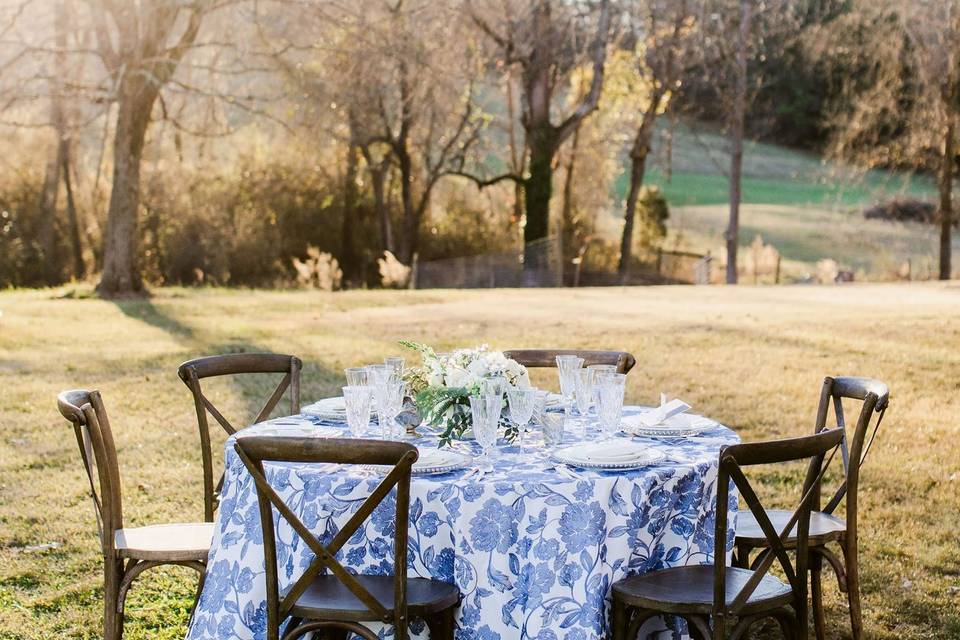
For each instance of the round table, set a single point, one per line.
(533, 547)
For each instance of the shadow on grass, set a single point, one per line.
(144, 310)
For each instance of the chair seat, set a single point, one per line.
(823, 527)
(165, 542)
(329, 599)
(690, 590)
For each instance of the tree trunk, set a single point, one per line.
(79, 270)
(121, 274)
(409, 224)
(570, 250)
(348, 251)
(537, 191)
(946, 199)
(736, 140)
(47, 237)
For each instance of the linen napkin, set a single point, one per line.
(665, 411)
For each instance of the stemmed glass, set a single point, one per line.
(389, 397)
(599, 370)
(356, 376)
(521, 402)
(566, 365)
(485, 413)
(357, 400)
(396, 365)
(611, 402)
(584, 381)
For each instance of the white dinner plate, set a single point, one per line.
(433, 460)
(683, 424)
(301, 430)
(327, 409)
(617, 453)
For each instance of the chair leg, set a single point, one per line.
(816, 596)
(442, 626)
(741, 558)
(853, 589)
(618, 622)
(112, 609)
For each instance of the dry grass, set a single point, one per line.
(751, 357)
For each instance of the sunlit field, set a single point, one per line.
(752, 357)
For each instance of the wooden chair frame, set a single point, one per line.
(254, 450)
(627, 619)
(86, 412)
(193, 371)
(875, 398)
(547, 358)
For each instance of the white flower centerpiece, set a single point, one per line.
(441, 387)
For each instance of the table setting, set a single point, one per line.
(532, 502)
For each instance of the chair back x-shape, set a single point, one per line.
(875, 397)
(254, 450)
(85, 411)
(193, 371)
(732, 460)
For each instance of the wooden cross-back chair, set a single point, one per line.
(825, 526)
(338, 601)
(193, 371)
(547, 358)
(127, 551)
(735, 598)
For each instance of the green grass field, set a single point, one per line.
(752, 357)
(808, 208)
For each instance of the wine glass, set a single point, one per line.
(599, 370)
(485, 412)
(356, 376)
(378, 374)
(396, 365)
(611, 402)
(566, 365)
(389, 397)
(357, 400)
(521, 402)
(584, 382)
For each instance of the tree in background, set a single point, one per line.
(664, 35)
(736, 36)
(544, 39)
(900, 106)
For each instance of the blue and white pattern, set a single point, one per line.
(533, 549)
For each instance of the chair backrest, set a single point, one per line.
(544, 358)
(254, 450)
(193, 371)
(814, 448)
(874, 397)
(85, 411)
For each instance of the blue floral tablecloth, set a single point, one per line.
(534, 549)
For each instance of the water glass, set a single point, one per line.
(566, 365)
(379, 374)
(396, 365)
(552, 429)
(540, 406)
(611, 402)
(485, 412)
(357, 399)
(389, 397)
(599, 370)
(356, 376)
(583, 381)
(521, 403)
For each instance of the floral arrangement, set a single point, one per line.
(441, 387)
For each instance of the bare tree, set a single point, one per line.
(542, 38)
(901, 107)
(664, 32)
(736, 35)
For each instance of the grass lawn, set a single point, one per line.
(750, 357)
